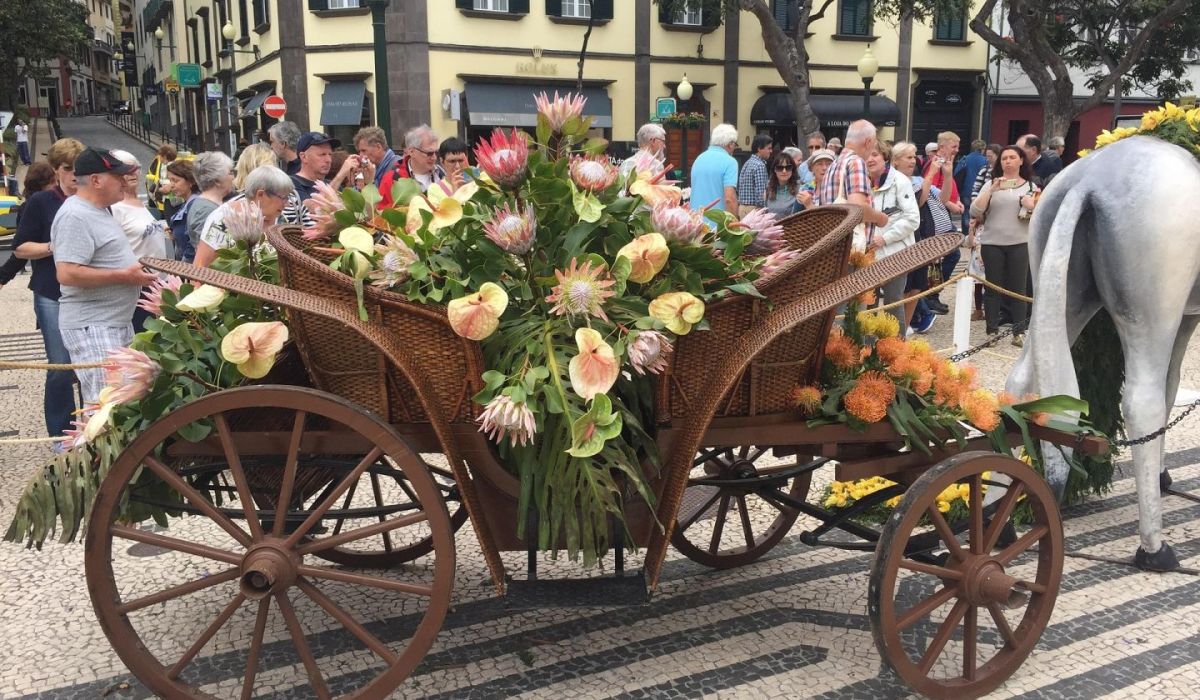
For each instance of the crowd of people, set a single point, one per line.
(988, 196)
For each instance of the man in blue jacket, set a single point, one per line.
(965, 172)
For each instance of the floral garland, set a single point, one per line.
(1170, 123)
(200, 340)
(688, 119)
(577, 282)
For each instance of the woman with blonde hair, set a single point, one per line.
(252, 157)
(893, 195)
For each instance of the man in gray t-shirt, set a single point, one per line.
(97, 270)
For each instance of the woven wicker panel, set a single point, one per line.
(343, 363)
(823, 235)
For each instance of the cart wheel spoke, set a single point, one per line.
(387, 538)
(944, 531)
(178, 591)
(329, 500)
(197, 499)
(175, 545)
(931, 569)
(306, 656)
(356, 628)
(337, 527)
(1004, 511)
(365, 580)
(289, 474)
(692, 517)
(920, 610)
(945, 631)
(206, 635)
(234, 462)
(975, 534)
(1002, 624)
(256, 642)
(380, 528)
(970, 638)
(1023, 543)
(747, 527)
(719, 525)
(1031, 586)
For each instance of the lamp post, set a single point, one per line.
(684, 91)
(383, 99)
(868, 66)
(228, 32)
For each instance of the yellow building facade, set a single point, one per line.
(465, 66)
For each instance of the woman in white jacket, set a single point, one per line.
(893, 196)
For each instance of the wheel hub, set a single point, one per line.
(986, 582)
(268, 568)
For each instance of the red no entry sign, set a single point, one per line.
(274, 107)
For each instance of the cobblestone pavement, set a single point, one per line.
(792, 625)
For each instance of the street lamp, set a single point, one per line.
(868, 66)
(228, 33)
(383, 98)
(684, 91)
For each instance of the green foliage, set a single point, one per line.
(35, 33)
(1100, 369)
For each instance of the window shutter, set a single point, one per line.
(464, 4)
(318, 5)
(554, 8)
(782, 7)
(602, 9)
(518, 7)
(853, 18)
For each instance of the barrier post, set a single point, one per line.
(964, 304)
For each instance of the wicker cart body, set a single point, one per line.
(401, 384)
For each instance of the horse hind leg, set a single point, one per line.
(1146, 372)
(1186, 327)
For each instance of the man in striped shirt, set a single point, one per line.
(847, 178)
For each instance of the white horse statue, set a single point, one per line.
(1119, 230)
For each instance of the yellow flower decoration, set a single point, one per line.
(647, 255)
(678, 311)
(205, 298)
(253, 347)
(476, 316)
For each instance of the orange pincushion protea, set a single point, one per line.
(906, 368)
(841, 351)
(807, 399)
(877, 385)
(862, 258)
(1006, 398)
(890, 349)
(867, 298)
(861, 404)
(923, 383)
(1041, 418)
(981, 408)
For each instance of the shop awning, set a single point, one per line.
(256, 101)
(775, 109)
(342, 103)
(495, 104)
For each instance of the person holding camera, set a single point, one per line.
(1003, 209)
(893, 195)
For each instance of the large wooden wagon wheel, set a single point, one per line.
(959, 623)
(727, 517)
(244, 588)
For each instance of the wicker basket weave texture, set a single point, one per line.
(766, 385)
(341, 362)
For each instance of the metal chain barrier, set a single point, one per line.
(1157, 433)
(982, 346)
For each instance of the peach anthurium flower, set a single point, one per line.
(647, 255)
(445, 205)
(595, 369)
(476, 316)
(655, 189)
(678, 311)
(253, 347)
(98, 422)
(204, 298)
(357, 238)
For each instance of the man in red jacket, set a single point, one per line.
(419, 162)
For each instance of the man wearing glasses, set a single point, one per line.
(652, 143)
(418, 163)
(815, 142)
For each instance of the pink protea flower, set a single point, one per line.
(581, 290)
(395, 259)
(593, 173)
(152, 298)
(513, 230)
(129, 374)
(75, 435)
(595, 369)
(647, 162)
(773, 262)
(324, 203)
(503, 417)
(768, 235)
(679, 223)
(504, 157)
(560, 110)
(243, 222)
(649, 352)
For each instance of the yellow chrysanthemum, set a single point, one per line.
(1151, 120)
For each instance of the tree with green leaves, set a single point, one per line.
(1118, 44)
(34, 34)
(784, 25)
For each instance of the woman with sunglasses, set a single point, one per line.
(784, 196)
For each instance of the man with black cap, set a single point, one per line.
(97, 270)
(316, 157)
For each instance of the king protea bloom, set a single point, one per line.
(768, 235)
(679, 223)
(593, 173)
(152, 300)
(649, 352)
(595, 369)
(502, 417)
(513, 230)
(678, 311)
(202, 299)
(129, 374)
(253, 347)
(773, 262)
(655, 189)
(645, 161)
(243, 221)
(395, 258)
(477, 315)
(581, 290)
(647, 255)
(504, 157)
(324, 203)
(560, 110)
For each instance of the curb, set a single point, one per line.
(150, 144)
